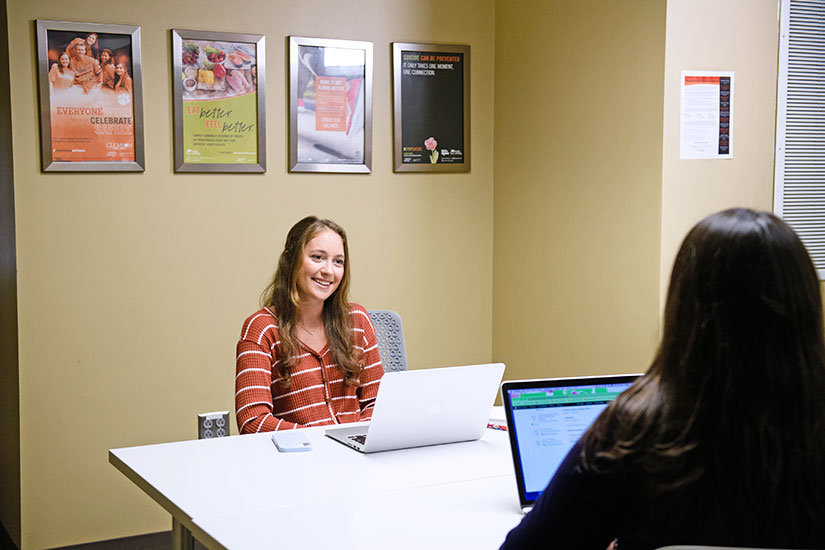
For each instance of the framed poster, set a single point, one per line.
(91, 102)
(431, 117)
(220, 115)
(330, 105)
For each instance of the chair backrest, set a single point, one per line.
(390, 335)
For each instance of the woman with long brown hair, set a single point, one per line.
(123, 82)
(309, 357)
(93, 46)
(722, 441)
(61, 76)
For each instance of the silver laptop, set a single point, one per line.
(545, 418)
(426, 407)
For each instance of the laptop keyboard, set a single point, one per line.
(360, 438)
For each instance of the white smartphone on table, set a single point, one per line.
(292, 441)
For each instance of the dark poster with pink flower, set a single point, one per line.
(432, 107)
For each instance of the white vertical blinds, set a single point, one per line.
(799, 187)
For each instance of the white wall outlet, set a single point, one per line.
(214, 424)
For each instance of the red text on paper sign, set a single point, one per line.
(330, 103)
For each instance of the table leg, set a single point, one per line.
(182, 538)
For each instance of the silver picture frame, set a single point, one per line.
(93, 134)
(251, 78)
(330, 105)
(437, 96)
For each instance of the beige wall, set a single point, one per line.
(577, 185)
(737, 35)
(133, 287)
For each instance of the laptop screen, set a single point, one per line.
(545, 418)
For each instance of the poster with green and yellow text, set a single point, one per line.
(220, 102)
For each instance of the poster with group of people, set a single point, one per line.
(91, 98)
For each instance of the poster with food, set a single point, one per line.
(330, 105)
(219, 100)
(431, 87)
(89, 85)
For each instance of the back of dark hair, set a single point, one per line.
(729, 421)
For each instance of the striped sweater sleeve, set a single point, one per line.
(253, 377)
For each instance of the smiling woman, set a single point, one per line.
(308, 357)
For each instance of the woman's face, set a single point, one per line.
(92, 38)
(119, 69)
(322, 267)
(64, 59)
(104, 57)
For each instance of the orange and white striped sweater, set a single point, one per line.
(317, 394)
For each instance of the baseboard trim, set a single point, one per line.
(150, 541)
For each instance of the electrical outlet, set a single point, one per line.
(214, 424)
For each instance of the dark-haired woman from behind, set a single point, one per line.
(722, 442)
(308, 357)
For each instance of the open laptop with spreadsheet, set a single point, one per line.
(546, 417)
(426, 407)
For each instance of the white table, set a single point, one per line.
(240, 492)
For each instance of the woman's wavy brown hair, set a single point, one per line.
(729, 421)
(283, 297)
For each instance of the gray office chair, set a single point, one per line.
(390, 335)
